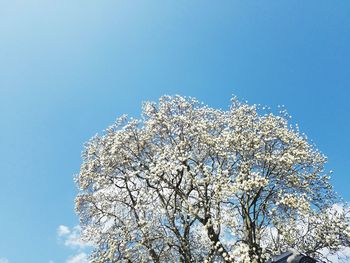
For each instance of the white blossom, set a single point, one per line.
(188, 182)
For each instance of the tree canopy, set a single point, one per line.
(190, 183)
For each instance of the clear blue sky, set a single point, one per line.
(68, 69)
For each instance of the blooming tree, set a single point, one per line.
(190, 183)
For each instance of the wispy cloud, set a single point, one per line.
(71, 238)
(4, 260)
(63, 230)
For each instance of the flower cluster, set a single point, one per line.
(189, 183)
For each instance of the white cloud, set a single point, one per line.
(80, 258)
(71, 237)
(63, 230)
(4, 260)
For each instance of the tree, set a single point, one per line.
(189, 183)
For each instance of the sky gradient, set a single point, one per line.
(68, 69)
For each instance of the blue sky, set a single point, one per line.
(68, 69)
